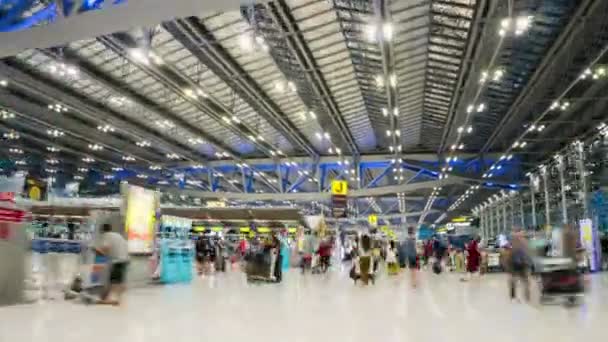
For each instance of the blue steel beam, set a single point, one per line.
(379, 177)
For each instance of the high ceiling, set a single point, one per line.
(277, 98)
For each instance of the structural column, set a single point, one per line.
(504, 216)
(562, 189)
(580, 165)
(521, 210)
(547, 204)
(533, 200)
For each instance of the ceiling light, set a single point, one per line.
(172, 156)
(330, 150)
(139, 56)
(371, 32)
(498, 74)
(312, 115)
(396, 111)
(387, 30)
(88, 160)
(327, 136)
(15, 151)
(95, 147)
(201, 93)
(251, 137)
(384, 112)
(155, 167)
(391, 148)
(5, 115)
(460, 129)
(143, 143)
(195, 141)
(226, 119)
(470, 108)
(142, 176)
(128, 158)
(53, 149)
(522, 23)
(481, 107)
(108, 176)
(165, 124)
(393, 80)
(470, 129)
(83, 169)
(292, 87)
(115, 169)
(105, 128)
(523, 144)
(190, 93)
(380, 81)
(453, 147)
(388, 132)
(484, 77)
(461, 146)
(397, 132)
(55, 132)
(3, 83)
(21, 162)
(78, 177)
(338, 150)
(236, 119)
(52, 161)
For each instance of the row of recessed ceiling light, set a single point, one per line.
(517, 26)
(602, 128)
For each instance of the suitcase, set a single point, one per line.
(437, 267)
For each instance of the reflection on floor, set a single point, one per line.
(315, 308)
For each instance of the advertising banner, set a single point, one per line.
(140, 219)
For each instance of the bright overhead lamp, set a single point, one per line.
(384, 112)
(3, 83)
(387, 30)
(396, 111)
(380, 81)
(319, 135)
(388, 132)
(327, 136)
(371, 32)
(105, 128)
(393, 80)
(312, 115)
(139, 56)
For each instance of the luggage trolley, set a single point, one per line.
(559, 278)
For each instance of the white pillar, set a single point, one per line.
(562, 188)
(533, 200)
(547, 204)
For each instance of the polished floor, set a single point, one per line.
(315, 308)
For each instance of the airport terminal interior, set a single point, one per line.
(305, 170)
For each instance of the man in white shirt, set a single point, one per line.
(114, 246)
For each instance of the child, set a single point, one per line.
(391, 259)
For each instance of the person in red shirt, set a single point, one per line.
(325, 249)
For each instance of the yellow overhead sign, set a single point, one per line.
(372, 220)
(460, 219)
(339, 187)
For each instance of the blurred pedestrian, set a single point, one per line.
(519, 265)
(409, 250)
